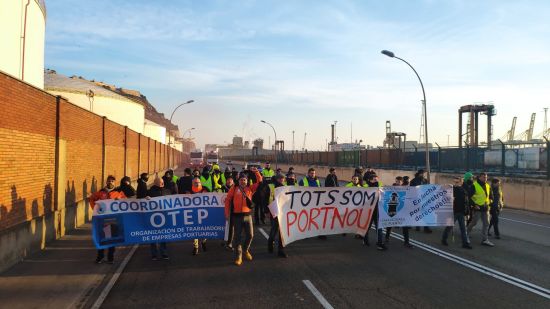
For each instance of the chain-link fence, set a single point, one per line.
(519, 159)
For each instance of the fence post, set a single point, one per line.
(415, 155)
(438, 157)
(502, 157)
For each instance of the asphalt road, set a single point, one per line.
(349, 275)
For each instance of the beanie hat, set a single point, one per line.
(468, 176)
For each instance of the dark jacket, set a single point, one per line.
(185, 183)
(128, 191)
(261, 196)
(141, 189)
(170, 185)
(460, 201)
(418, 180)
(331, 181)
(157, 191)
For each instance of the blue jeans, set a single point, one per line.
(462, 226)
(161, 248)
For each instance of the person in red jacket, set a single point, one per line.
(107, 193)
(238, 207)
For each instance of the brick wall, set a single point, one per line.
(36, 154)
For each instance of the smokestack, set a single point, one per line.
(332, 134)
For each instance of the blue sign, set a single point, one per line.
(160, 219)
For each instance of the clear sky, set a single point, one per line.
(302, 65)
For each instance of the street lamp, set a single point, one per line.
(392, 55)
(188, 130)
(276, 155)
(175, 109)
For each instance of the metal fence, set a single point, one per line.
(518, 159)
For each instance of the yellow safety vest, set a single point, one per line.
(350, 184)
(268, 173)
(306, 183)
(271, 192)
(481, 198)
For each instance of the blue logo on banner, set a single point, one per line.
(393, 202)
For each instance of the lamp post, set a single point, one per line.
(188, 130)
(392, 55)
(276, 155)
(175, 109)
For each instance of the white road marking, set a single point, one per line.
(263, 232)
(317, 294)
(529, 223)
(481, 268)
(99, 301)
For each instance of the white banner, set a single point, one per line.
(305, 212)
(426, 205)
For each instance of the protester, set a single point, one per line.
(398, 181)
(185, 182)
(311, 180)
(290, 171)
(369, 171)
(373, 182)
(206, 178)
(229, 183)
(260, 198)
(142, 185)
(418, 180)
(291, 180)
(354, 182)
(405, 229)
(106, 193)
(331, 180)
(169, 183)
(198, 188)
(126, 187)
(227, 173)
(481, 198)
(267, 172)
(238, 203)
(156, 190)
(218, 178)
(275, 231)
(196, 172)
(469, 188)
(460, 209)
(406, 181)
(496, 206)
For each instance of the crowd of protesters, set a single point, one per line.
(251, 190)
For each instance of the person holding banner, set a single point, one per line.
(238, 207)
(156, 190)
(404, 229)
(481, 198)
(275, 231)
(198, 188)
(291, 180)
(229, 183)
(331, 180)
(460, 208)
(108, 192)
(372, 182)
(354, 182)
(311, 181)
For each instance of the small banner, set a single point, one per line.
(305, 212)
(426, 205)
(159, 219)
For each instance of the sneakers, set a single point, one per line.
(487, 243)
(408, 245)
(381, 247)
(467, 246)
(239, 261)
(98, 261)
(444, 242)
(229, 248)
(282, 254)
(248, 256)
